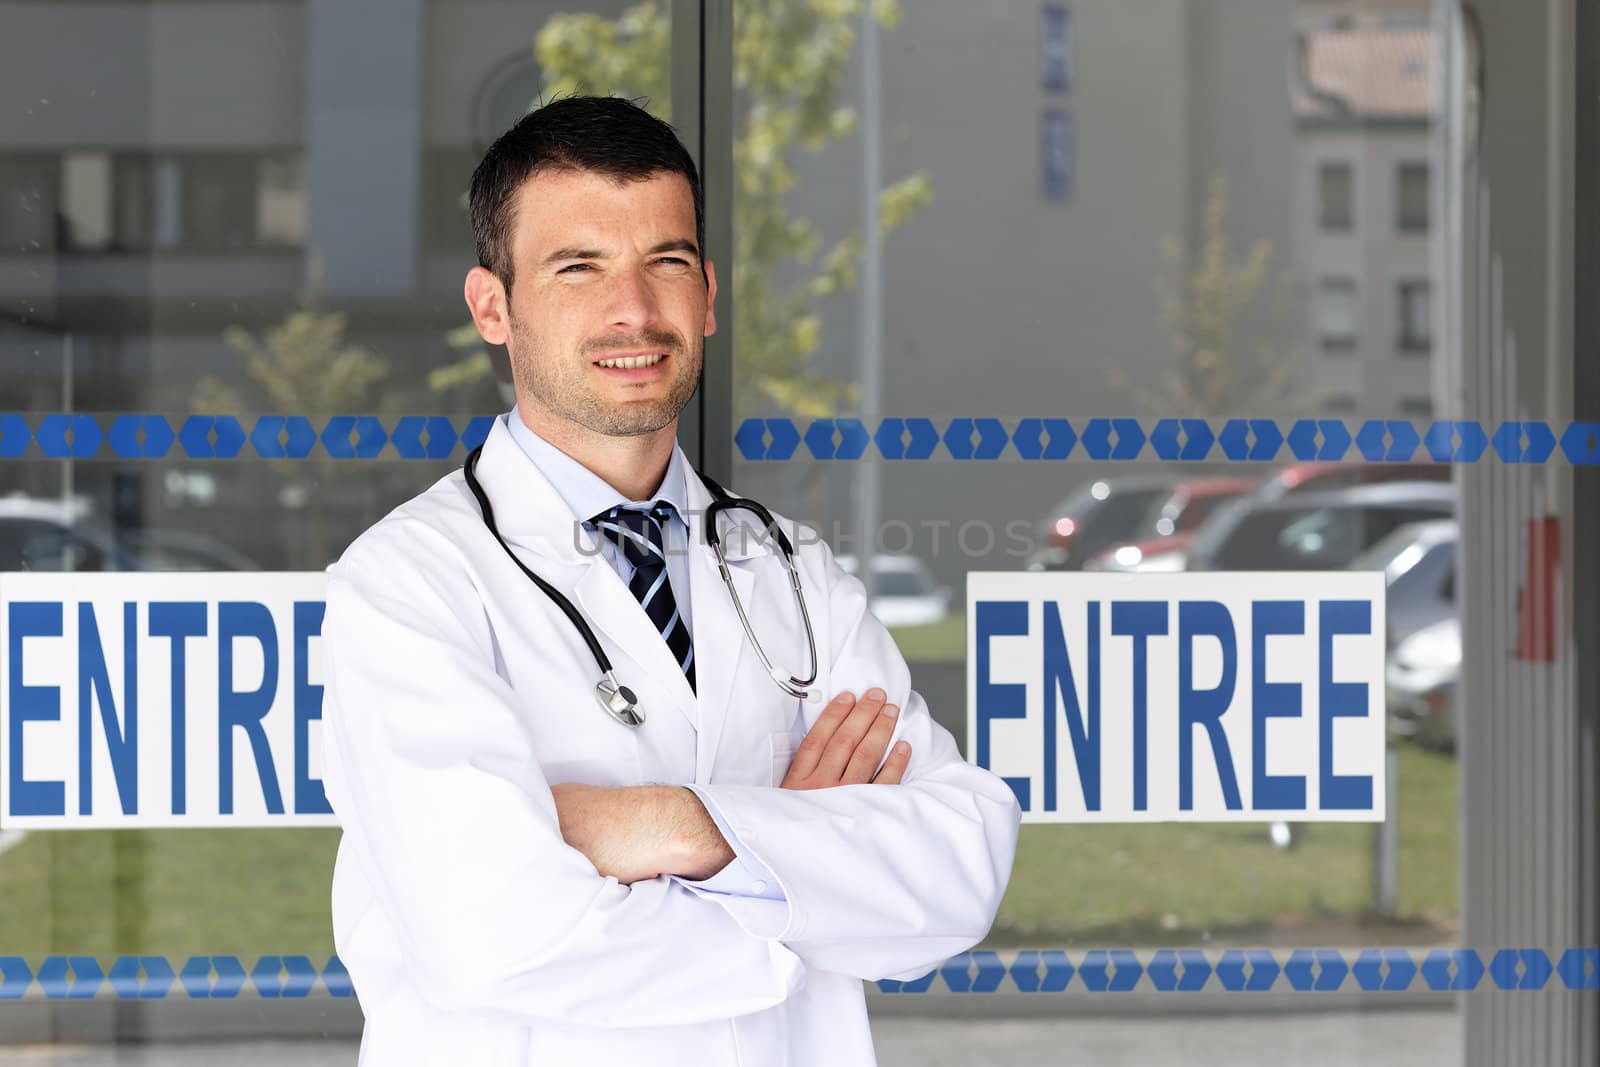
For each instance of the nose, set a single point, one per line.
(633, 303)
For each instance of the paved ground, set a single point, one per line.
(1392, 1038)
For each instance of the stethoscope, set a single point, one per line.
(617, 699)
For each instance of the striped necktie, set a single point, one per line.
(640, 536)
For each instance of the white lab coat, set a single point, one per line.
(457, 694)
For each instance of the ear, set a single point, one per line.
(486, 299)
(711, 298)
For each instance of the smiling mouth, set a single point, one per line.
(631, 362)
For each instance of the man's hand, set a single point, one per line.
(846, 743)
(639, 832)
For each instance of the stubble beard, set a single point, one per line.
(562, 387)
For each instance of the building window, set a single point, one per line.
(1056, 154)
(1336, 197)
(1337, 322)
(281, 202)
(205, 203)
(1416, 316)
(1417, 406)
(1055, 48)
(1411, 198)
(148, 203)
(86, 200)
(28, 206)
(219, 203)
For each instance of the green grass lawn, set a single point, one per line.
(257, 892)
(1181, 883)
(943, 640)
(168, 892)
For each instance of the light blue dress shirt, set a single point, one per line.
(588, 494)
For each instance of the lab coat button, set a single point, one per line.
(759, 887)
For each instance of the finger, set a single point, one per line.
(870, 751)
(895, 766)
(837, 752)
(809, 752)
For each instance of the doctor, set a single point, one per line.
(524, 879)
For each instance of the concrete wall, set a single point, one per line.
(999, 302)
(1528, 752)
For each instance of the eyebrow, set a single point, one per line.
(680, 244)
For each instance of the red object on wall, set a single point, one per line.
(1536, 603)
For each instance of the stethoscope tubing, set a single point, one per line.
(618, 700)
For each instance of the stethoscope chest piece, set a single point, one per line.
(618, 701)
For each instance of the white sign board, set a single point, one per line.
(150, 700)
(1206, 697)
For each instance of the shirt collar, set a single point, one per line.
(584, 491)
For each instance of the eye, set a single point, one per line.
(573, 267)
(674, 260)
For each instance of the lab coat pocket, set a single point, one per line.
(783, 748)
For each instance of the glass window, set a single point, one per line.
(1055, 47)
(1416, 316)
(1056, 152)
(1336, 197)
(281, 202)
(29, 186)
(1338, 321)
(149, 203)
(220, 196)
(86, 200)
(1411, 197)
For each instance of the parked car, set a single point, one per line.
(1418, 562)
(1105, 512)
(48, 535)
(904, 592)
(1323, 477)
(1171, 525)
(160, 549)
(1316, 531)
(1420, 680)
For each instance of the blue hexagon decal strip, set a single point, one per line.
(1096, 972)
(967, 438)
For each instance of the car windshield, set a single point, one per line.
(1215, 531)
(1394, 554)
(1076, 503)
(900, 583)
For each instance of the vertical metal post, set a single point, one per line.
(67, 487)
(1585, 587)
(702, 112)
(1386, 842)
(871, 283)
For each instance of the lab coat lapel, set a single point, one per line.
(721, 650)
(536, 522)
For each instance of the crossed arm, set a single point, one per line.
(634, 833)
(484, 878)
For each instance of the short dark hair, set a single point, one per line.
(603, 134)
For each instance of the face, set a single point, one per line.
(608, 314)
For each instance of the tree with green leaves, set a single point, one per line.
(790, 59)
(304, 364)
(1219, 371)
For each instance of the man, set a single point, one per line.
(525, 880)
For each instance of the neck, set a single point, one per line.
(634, 466)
